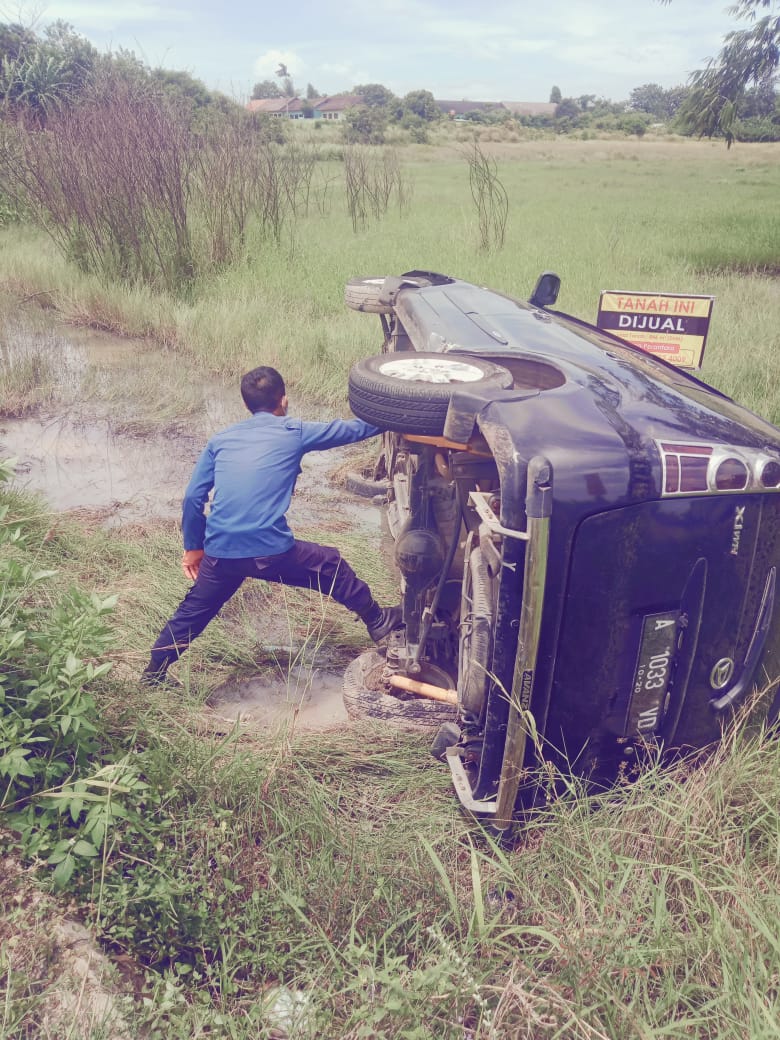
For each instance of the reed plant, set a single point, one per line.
(27, 371)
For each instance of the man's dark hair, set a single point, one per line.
(262, 389)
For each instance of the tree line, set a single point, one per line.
(367, 122)
(734, 96)
(755, 115)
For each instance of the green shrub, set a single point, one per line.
(757, 129)
(635, 123)
(363, 125)
(57, 780)
(11, 212)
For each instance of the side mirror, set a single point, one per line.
(546, 290)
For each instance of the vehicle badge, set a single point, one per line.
(721, 674)
(736, 529)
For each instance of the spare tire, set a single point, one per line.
(409, 391)
(362, 294)
(365, 699)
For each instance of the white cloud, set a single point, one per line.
(610, 37)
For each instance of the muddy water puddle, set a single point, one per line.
(304, 698)
(86, 455)
(82, 465)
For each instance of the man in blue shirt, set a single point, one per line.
(252, 468)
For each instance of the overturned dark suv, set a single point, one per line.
(587, 539)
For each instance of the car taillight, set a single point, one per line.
(731, 475)
(769, 474)
(685, 467)
(691, 469)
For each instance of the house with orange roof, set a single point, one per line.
(279, 108)
(335, 106)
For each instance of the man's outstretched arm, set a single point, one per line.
(318, 436)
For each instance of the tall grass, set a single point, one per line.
(27, 375)
(339, 867)
(131, 187)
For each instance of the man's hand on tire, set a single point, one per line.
(190, 563)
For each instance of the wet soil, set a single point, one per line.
(86, 459)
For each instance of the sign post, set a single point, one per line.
(672, 326)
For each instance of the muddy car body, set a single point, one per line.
(587, 537)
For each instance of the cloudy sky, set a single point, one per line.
(512, 50)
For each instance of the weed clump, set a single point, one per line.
(132, 188)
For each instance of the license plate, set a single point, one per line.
(652, 673)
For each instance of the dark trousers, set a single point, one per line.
(307, 565)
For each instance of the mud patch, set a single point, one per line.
(64, 984)
(82, 464)
(305, 699)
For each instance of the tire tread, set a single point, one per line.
(361, 702)
(407, 406)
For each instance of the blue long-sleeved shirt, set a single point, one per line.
(252, 467)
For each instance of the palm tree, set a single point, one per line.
(37, 83)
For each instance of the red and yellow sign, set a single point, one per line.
(669, 325)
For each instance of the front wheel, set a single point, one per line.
(410, 391)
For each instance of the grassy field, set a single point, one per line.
(674, 217)
(338, 866)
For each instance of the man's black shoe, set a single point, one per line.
(381, 622)
(160, 680)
